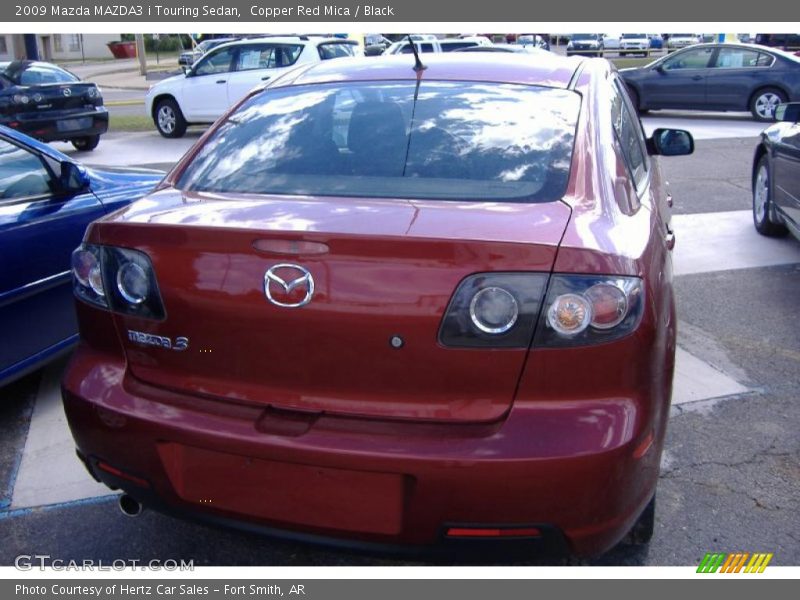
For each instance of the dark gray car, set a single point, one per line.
(717, 77)
(776, 175)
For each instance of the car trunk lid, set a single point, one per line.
(383, 270)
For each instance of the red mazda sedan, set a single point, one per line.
(392, 307)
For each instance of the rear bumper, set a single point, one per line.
(61, 125)
(580, 472)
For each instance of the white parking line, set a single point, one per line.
(723, 241)
(50, 471)
(719, 126)
(697, 380)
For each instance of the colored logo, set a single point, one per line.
(737, 562)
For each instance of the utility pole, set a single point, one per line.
(140, 52)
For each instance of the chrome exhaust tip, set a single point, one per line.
(130, 507)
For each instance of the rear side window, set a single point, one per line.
(459, 141)
(267, 56)
(738, 58)
(629, 135)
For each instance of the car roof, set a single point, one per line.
(743, 46)
(547, 70)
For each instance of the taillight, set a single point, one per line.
(87, 275)
(508, 310)
(588, 309)
(494, 310)
(119, 278)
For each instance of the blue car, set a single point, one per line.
(46, 202)
(727, 76)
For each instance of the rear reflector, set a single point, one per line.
(484, 532)
(122, 475)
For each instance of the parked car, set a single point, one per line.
(295, 330)
(611, 41)
(46, 202)
(375, 44)
(429, 46)
(776, 175)
(453, 44)
(727, 76)
(585, 44)
(677, 41)
(537, 40)
(225, 74)
(51, 104)
(189, 57)
(634, 43)
(656, 41)
(785, 41)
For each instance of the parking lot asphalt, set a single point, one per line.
(730, 471)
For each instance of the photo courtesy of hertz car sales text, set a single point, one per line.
(430, 307)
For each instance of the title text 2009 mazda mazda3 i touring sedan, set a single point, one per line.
(392, 307)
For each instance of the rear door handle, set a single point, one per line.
(265, 77)
(220, 81)
(697, 78)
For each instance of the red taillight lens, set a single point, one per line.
(609, 305)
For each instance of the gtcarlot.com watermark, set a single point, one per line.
(29, 562)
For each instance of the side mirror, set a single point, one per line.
(670, 142)
(187, 70)
(659, 68)
(74, 178)
(789, 112)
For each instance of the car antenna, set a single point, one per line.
(418, 66)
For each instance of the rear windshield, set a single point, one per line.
(39, 73)
(444, 140)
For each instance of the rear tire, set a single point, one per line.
(86, 143)
(764, 102)
(169, 119)
(762, 202)
(642, 531)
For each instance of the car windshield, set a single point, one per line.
(38, 73)
(442, 140)
(633, 36)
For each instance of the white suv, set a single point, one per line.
(225, 74)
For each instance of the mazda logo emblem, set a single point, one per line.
(66, 92)
(277, 285)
